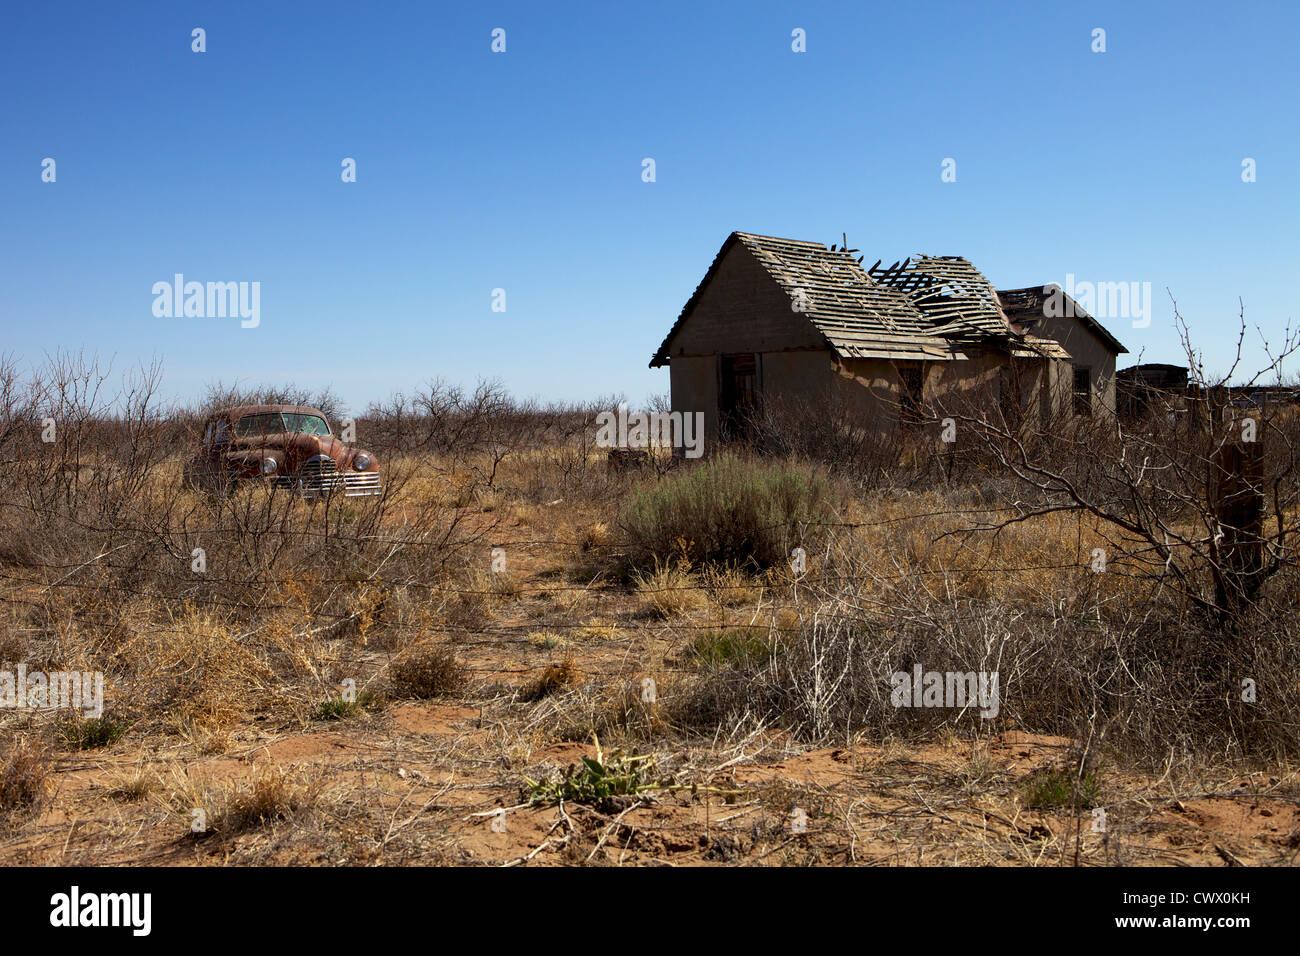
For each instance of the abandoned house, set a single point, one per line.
(797, 321)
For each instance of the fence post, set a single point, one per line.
(1237, 474)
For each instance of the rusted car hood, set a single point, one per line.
(295, 448)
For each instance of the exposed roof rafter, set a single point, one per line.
(925, 307)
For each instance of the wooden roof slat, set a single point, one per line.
(928, 300)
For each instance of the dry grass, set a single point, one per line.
(26, 766)
(547, 640)
(133, 784)
(219, 675)
(428, 671)
(555, 676)
(731, 586)
(670, 589)
(272, 794)
(595, 536)
(13, 647)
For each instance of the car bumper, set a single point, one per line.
(357, 484)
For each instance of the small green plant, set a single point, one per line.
(336, 708)
(545, 640)
(91, 733)
(738, 647)
(597, 779)
(1053, 788)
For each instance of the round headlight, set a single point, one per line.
(268, 466)
(361, 462)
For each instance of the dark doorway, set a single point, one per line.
(738, 395)
(912, 383)
(1011, 395)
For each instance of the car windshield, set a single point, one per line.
(270, 423)
(307, 424)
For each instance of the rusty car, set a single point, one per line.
(288, 446)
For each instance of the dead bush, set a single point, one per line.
(274, 794)
(26, 765)
(428, 671)
(669, 590)
(553, 677)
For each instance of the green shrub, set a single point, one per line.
(738, 647)
(727, 509)
(1054, 788)
(93, 732)
(336, 708)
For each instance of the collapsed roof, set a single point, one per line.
(1026, 307)
(952, 295)
(925, 307)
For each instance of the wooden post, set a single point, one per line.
(1237, 475)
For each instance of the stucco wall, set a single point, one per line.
(868, 389)
(801, 376)
(694, 383)
(1085, 348)
(743, 310)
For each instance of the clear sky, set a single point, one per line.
(522, 171)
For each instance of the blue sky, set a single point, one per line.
(522, 171)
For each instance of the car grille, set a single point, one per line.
(319, 477)
(356, 483)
